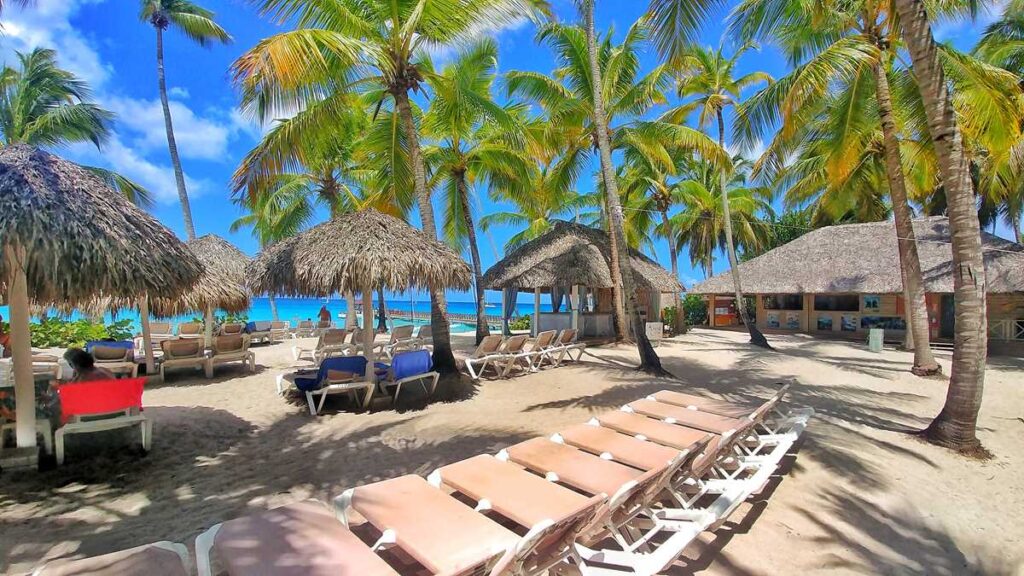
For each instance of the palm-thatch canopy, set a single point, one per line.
(864, 258)
(355, 251)
(80, 238)
(222, 285)
(569, 254)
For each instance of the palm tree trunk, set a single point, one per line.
(382, 312)
(618, 300)
(649, 361)
(350, 311)
(756, 337)
(444, 360)
(679, 322)
(273, 307)
(910, 264)
(482, 330)
(179, 175)
(956, 424)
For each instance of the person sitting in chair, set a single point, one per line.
(85, 366)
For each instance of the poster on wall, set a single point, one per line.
(825, 323)
(793, 321)
(773, 319)
(848, 323)
(872, 303)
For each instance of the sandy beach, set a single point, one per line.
(861, 495)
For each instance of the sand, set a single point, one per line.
(861, 496)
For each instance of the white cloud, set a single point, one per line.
(198, 137)
(47, 24)
(179, 93)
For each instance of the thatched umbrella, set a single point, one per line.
(358, 252)
(68, 237)
(222, 285)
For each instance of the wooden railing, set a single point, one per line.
(1008, 329)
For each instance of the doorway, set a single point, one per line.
(947, 316)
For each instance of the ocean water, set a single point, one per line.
(296, 309)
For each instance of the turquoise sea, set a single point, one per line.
(296, 309)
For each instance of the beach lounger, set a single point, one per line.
(231, 329)
(446, 536)
(279, 331)
(778, 423)
(190, 330)
(157, 559)
(259, 331)
(118, 357)
(330, 343)
(47, 365)
(304, 329)
(566, 344)
(301, 539)
(234, 348)
(399, 335)
(486, 354)
(512, 352)
(97, 405)
(160, 331)
(425, 337)
(411, 366)
(184, 353)
(322, 326)
(336, 375)
(530, 356)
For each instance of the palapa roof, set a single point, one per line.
(82, 240)
(221, 286)
(569, 254)
(352, 250)
(864, 258)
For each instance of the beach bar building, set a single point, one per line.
(844, 280)
(571, 263)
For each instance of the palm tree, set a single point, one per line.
(956, 424)
(568, 101)
(197, 24)
(280, 212)
(539, 200)
(473, 147)
(700, 225)
(44, 105)
(371, 46)
(708, 75)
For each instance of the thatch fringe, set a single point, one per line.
(222, 285)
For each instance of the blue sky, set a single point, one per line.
(104, 42)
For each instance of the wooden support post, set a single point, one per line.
(21, 349)
(147, 336)
(368, 331)
(536, 312)
(574, 303)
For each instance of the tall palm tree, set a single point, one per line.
(567, 97)
(196, 23)
(280, 212)
(649, 360)
(44, 105)
(709, 76)
(538, 201)
(956, 424)
(474, 146)
(372, 46)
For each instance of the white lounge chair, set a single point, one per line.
(330, 343)
(231, 328)
(190, 330)
(336, 375)
(531, 356)
(486, 354)
(97, 405)
(184, 353)
(160, 331)
(401, 338)
(304, 329)
(410, 366)
(118, 357)
(279, 331)
(259, 331)
(234, 348)
(514, 353)
(566, 344)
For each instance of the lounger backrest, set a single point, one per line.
(231, 343)
(545, 338)
(514, 344)
(568, 336)
(190, 328)
(488, 345)
(103, 353)
(159, 327)
(548, 542)
(412, 363)
(186, 348)
(306, 324)
(424, 332)
(96, 397)
(233, 328)
(352, 364)
(279, 325)
(324, 324)
(401, 333)
(357, 335)
(332, 337)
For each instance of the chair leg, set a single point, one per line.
(59, 438)
(204, 547)
(312, 405)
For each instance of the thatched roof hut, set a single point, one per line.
(570, 254)
(221, 286)
(66, 237)
(80, 238)
(864, 258)
(355, 251)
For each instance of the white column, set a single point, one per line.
(574, 303)
(147, 338)
(368, 332)
(21, 350)
(536, 311)
(504, 304)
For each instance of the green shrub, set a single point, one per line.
(696, 310)
(59, 333)
(519, 323)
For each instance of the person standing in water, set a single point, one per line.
(325, 314)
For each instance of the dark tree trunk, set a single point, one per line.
(179, 174)
(956, 424)
(382, 312)
(482, 330)
(649, 361)
(444, 359)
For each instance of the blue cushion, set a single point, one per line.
(126, 344)
(353, 364)
(412, 363)
(250, 327)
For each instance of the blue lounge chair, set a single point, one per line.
(348, 377)
(411, 366)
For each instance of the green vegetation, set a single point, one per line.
(59, 333)
(696, 310)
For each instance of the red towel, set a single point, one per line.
(99, 397)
